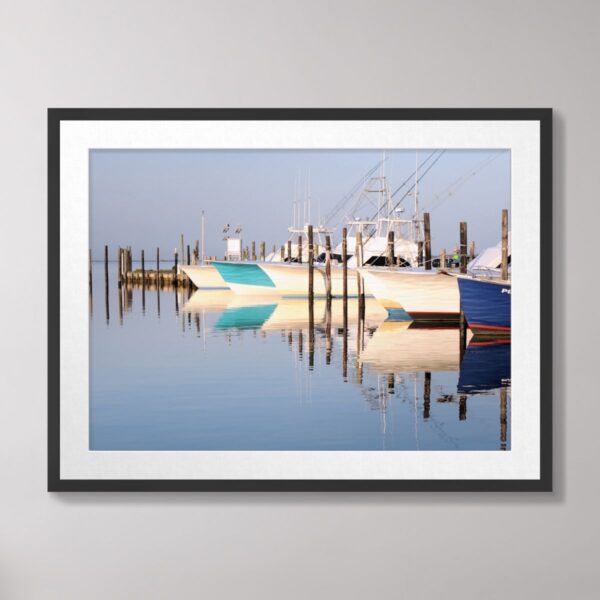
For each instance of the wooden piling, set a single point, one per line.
(471, 251)
(253, 250)
(328, 338)
(311, 333)
(311, 267)
(360, 326)
(390, 249)
(328, 267)
(106, 267)
(282, 253)
(427, 231)
(463, 247)
(120, 291)
(359, 279)
(504, 244)
(443, 259)
(197, 252)
(106, 301)
(420, 254)
(503, 419)
(345, 302)
(143, 269)
(462, 408)
(391, 383)
(345, 264)
(427, 395)
(345, 343)
(175, 270)
(289, 251)
(143, 288)
(120, 266)
(262, 251)
(189, 262)
(157, 266)
(299, 249)
(90, 268)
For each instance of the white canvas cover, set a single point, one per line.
(489, 260)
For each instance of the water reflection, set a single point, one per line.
(225, 372)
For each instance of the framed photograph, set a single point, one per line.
(300, 299)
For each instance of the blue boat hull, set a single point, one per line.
(486, 304)
(484, 367)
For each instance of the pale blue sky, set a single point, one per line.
(147, 198)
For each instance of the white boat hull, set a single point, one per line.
(422, 294)
(205, 277)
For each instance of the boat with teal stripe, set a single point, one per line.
(282, 279)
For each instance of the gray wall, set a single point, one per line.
(424, 54)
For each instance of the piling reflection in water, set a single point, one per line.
(213, 374)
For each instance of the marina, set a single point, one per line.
(351, 334)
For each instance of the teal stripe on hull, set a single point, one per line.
(245, 317)
(398, 314)
(244, 274)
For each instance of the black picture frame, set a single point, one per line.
(58, 115)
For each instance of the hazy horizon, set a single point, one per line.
(147, 198)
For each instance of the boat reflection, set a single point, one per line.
(432, 387)
(208, 300)
(400, 346)
(485, 367)
(243, 312)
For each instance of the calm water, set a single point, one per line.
(216, 372)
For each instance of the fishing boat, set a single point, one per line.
(428, 295)
(486, 304)
(424, 295)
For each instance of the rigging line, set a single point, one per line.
(412, 187)
(466, 176)
(470, 172)
(412, 175)
(440, 197)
